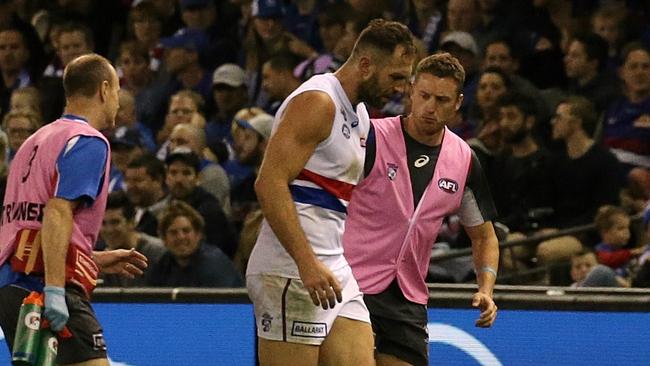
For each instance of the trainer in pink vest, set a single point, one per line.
(385, 235)
(35, 167)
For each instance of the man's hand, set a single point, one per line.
(128, 263)
(323, 287)
(488, 309)
(56, 310)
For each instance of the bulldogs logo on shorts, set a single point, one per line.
(346, 131)
(266, 322)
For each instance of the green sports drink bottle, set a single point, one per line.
(28, 331)
(47, 348)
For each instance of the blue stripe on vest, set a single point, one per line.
(316, 197)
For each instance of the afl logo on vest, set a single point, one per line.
(448, 185)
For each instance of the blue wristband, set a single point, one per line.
(487, 269)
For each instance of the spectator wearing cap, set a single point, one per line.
(212, 177)
(221, 46)
(182, 168)
(251, 131)
(268, 37)
(463, 46)
(278, 80)
(236, 171)
(301, 19)
(126, 145)
(230, 94)
(182, 62)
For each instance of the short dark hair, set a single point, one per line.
(13, 28)
(179, 209)
(442, 65)
(523, 102)
(595, 46)
(631, 47)
(154, 167)
(507, 82)
(283, 61)
(512, 50)
(84, 75)
(384, 36)
(197, 98)
(79, 27)
(188, 158)
(582, 108)
(119, 200)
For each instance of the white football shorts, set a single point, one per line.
(285, 312)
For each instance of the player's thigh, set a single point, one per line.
(279, 353)
(349, 343)
(86, 346)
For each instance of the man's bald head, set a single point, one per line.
(85, 74)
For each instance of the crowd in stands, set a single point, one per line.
(556, 106)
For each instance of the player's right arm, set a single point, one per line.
(307, 120)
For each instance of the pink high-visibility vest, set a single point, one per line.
(32, 181)
(386, 237)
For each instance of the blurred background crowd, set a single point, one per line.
(556, 106)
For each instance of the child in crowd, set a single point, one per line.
(586, 272)
(613, 226)
(26, 99)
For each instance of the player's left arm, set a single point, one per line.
(476, 214)
(485, 253)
